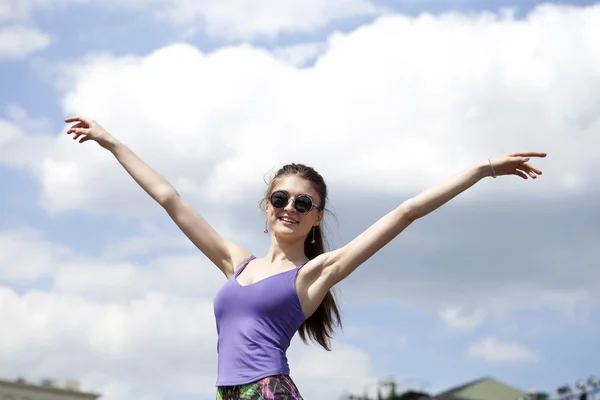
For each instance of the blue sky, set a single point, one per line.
(382, 99)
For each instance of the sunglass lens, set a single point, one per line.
(303, 204)
(279, 199)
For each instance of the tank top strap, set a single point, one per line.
(302, 265)
(296, 271)
(244, 265)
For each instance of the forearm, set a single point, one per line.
(151, 181)
(438, 195)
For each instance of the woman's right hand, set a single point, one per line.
(88, 129)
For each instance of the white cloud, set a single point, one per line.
(396, 116)
(231, 19)
(16, 113)
(458, 319)
(186, 275)
(246, 19)
(18, 41)
(8, 132)
(18, 260)
(134, 339)
(17, 129)
(493, 350)
(140, 245)
(15, 9)
(314, 369)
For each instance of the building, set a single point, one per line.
(46, 390)
(482, 389)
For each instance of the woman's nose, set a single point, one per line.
(289, 207)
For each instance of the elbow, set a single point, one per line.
(166, 196)
(409, 212)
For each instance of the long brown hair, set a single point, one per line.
(318, 327)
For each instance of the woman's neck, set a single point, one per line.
(282, 250)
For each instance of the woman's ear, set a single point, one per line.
(319, 218)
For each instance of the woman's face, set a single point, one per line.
(288, 221)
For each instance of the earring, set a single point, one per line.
(266, 228)
(313, 236)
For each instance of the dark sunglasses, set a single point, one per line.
(303, 203)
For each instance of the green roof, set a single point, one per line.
(482, 389)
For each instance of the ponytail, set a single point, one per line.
(320, 326)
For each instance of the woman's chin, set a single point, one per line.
(286, 232)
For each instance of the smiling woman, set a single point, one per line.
(266, 300)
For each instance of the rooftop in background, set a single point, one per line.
(483, 388)
(58, 389)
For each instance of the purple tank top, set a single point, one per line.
(255, 325)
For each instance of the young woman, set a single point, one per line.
(265, 301)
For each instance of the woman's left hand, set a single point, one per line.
(516, 164)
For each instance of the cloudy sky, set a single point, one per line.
(384, 98)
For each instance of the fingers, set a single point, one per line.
(80, 125)
(83, 138)
(530, 167)
(522, 164)
(530, 173)
(78, 119)
(529, 154)
(521, 174)
(78, 131)
(81, 129)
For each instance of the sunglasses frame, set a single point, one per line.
(312, 202)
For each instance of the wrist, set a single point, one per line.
(110, 143)
(485, 170)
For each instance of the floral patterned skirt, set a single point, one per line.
(280, 387)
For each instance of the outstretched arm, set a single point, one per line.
(338, 264)
(224, 253)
